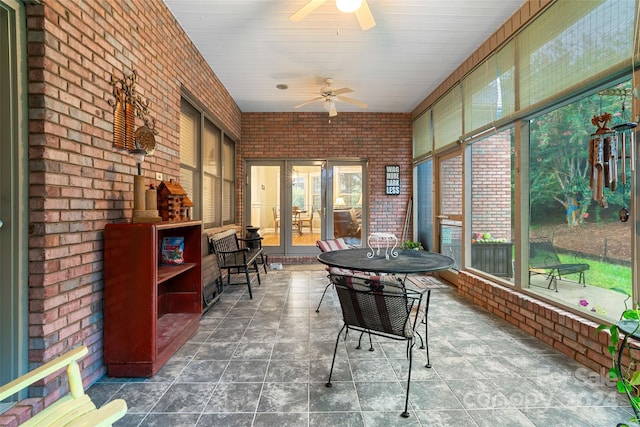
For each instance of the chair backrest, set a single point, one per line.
(275, 212)
(543, 254)
(332, 245)
(374, 304)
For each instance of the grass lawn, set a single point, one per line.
(603, 274)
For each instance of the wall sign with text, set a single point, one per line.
(393, 179)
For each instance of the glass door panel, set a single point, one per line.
(264, 203)
(347, 191)
(424, 204)
(306, 205)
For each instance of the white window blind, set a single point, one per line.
(211, 149)
(228, 180)
(229, 160)
(227, 202)
(208, 201)
(187, 182)
(572, 41)
(447, 118)
(189, 130)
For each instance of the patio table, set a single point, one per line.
(408, 261)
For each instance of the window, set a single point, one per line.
(207, 167)
(492, 204)
(228, 181)
(566, 225)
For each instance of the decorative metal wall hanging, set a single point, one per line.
(128, 105)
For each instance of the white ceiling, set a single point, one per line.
(252, 46)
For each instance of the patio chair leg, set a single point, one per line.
(426, 327)
(335, 350)
(322, 297)
(405, 414)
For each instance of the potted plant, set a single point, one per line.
(627, 377)
(412, 244)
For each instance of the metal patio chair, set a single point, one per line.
(334, 245)
(382, 306)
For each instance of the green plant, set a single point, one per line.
(627, 377)
(411, 244)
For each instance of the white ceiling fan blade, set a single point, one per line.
(352, 101)
(309, 102)
(365, 17)
(305, 10)
(341, 91)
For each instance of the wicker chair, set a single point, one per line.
(382, 306)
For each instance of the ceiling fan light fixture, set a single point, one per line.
(330, 106)
(348, 6)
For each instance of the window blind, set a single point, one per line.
(189, 124)
(208, 200)
(422, 135)
(489, 91)
(447, 118)
(211, 149)
(573, 41)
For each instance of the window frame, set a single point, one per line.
(223, 209)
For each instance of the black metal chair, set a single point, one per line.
(382, 306)
(335, 245)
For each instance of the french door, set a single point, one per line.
(297, 202)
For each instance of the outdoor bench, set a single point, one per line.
(74, 409)
(237, 256)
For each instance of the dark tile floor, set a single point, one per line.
(265, 362)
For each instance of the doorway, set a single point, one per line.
(297, 202)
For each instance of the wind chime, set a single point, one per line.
(606, 147)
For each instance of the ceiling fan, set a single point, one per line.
(360, 7)
(329, 96)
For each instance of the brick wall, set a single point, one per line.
(569, 333)
(450, 182)
(77, 181)
(491, 186)
(381, 138)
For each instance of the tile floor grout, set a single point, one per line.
(276, 351)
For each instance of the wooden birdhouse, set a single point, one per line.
(173, 203)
